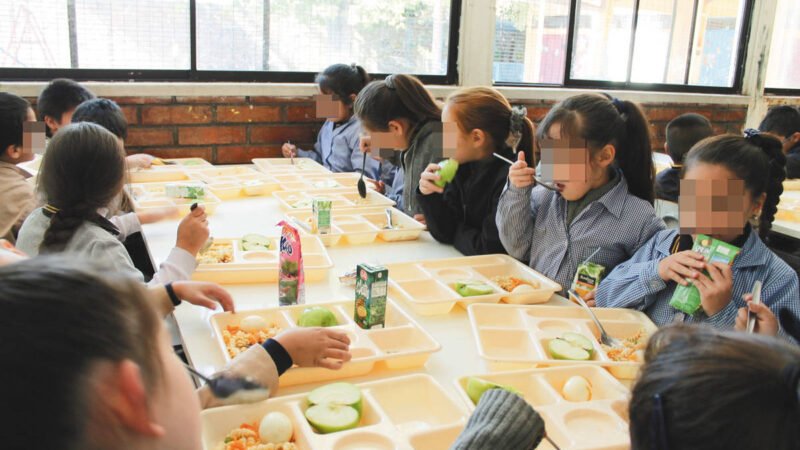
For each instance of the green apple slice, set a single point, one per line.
(579, 340)
(317, 316)
(447, 171)
(331, 417)
(561, 349)
(255, 242)
(473, 288)
(345, 394)
(476, 387)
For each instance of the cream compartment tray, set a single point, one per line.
(401, 413)
(402, 344)
(235, 182)
(429, 286)
(284, 165)
(152, 196)
(235, 265)
(514, 336)
(340, 198)
(176, 171)
(600, 423)
(309, 181)
(362, 226)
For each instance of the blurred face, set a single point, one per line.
(570, 166)
(381, 142)
(332, 108)
(459, 145)
(33, 141)
(714, 202)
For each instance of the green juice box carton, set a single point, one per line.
(687, 298)
(372, 285)
(321, 216)
(587, 278)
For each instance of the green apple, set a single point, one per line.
(477, 386)
(562, 349)
(473, 288)
(252, 242)
(317, 316)
(579, 340)
(337, 393)
(447, 171)
(330, 418)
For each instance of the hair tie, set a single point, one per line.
(515, 123)
(51, 209)
(389, 82)
(621, 107)
(791, 376)
(750, 133)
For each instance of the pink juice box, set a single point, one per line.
(291, 283)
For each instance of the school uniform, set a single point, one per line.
(337, 148)
(535, 226)
(425, 147)
(636, 284)
(464, 214)
(668, 184)
(17, 199)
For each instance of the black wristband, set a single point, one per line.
(283, 361)
(172, 296)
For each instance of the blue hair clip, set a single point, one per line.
(620, 105)
(750, 133)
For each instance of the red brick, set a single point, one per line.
(282, 133)
(655, 113)
(537, 113)
(149, 137)
(141, 100)
(211, 135)
(248, 113)
(178, 152)
(306, 112)
(261, 99)
(168, 115)
(210, 100)
(237, 154)
(730, 115)
(131, 114)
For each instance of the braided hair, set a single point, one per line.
(82, 171)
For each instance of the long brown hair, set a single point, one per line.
(705, 389)
(60, 318)
(486, 109)
(396, 97)
(82, 171)
(601, 120)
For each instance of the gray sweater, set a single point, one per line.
(502, 420)
(425, 148)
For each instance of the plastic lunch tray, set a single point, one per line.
(149, 196)
(402, 344)
(273, 166)
(428, 285)
(340, 198)
(262, 266)
(235, 182)
(401, 413)
(600, 423)
(789, 206)
(168, 172)
(310, 181)
(361, 226)
(514, 337)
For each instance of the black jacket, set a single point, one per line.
(464, 215)
(668, 184)
(793, 162)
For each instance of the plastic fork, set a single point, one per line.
(233, 388)
(605, 339)
(389, 222)
(510, 163)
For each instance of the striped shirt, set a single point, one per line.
(532, 226)
(635, 284)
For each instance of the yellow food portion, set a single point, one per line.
(629, 351)
(246, 437)
(238, 340)
(216, 254)
(510, 283)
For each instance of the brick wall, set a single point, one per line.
(229, 130)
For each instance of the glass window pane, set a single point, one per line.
(602, 40)
(35, 34)
(662, 41)
(409, 36)
(530, 41)
(783, 71)
(716, 42)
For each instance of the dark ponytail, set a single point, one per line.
(603, 120)
(758, 160)
(396, 97)
(82, 171)
(343, 81)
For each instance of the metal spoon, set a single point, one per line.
(389, 222)
(362, 186)
(232, 388)
(751, 318)
(605, 339)
(540, 183)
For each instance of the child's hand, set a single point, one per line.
(589, 299)
(680, 266)
(139, 161)
(316, 347)
(10, 254)
(207, 295)
(520, 175)
(426, 180)
(193, 231)
(766, 322)
(157, 214)
(420, 218)
(716, 290)
(289, 150)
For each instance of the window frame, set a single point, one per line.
(573, 83)
(255, 76)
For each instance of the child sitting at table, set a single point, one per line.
(17, 198)
(783, 121)
(82, 174)
(462, 213)
(93, 367)
(399, 114)
(732, 179)
(683, 132)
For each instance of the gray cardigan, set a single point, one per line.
(425, 148)
(502, 420)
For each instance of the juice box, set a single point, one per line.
(372, 285)
(291, 282)
(587, 278)
(687, 298)
(321, 216)
(193, 190)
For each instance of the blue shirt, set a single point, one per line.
(337, 148)
(636, 284)
(532, 226)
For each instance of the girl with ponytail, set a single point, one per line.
(600, 208)
(462, 213)
(733, 185)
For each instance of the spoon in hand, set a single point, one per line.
(362, 186)
(232, 388)
(544, 185)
